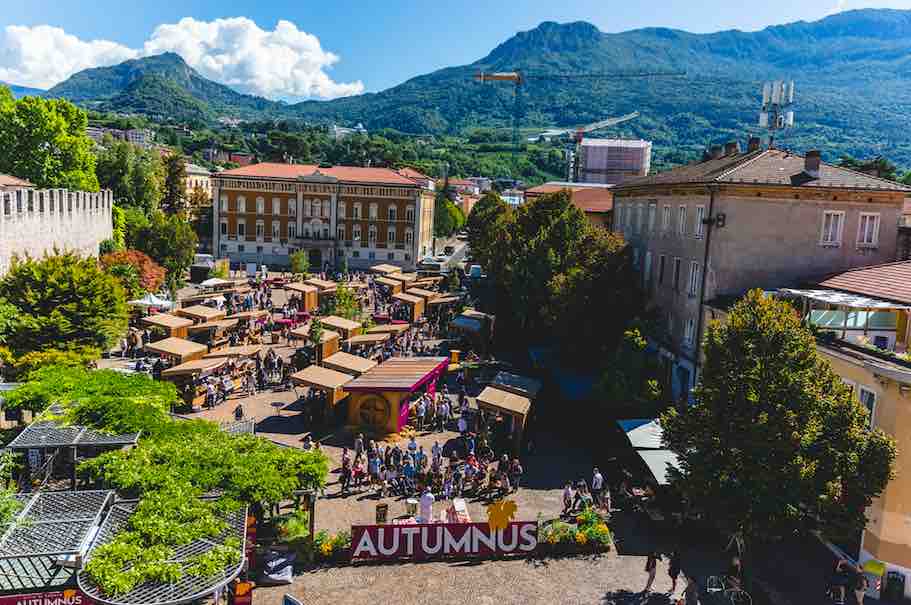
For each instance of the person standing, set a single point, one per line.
(691, 594)
(597, 486)
(651, 567)
(673, 569)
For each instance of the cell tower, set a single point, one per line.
(776, 113)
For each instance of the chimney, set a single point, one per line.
(753, 144)
(811, 163)
(731, 148)
(716, 151)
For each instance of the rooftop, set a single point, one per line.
(348, 363)
(346, 174)
(411, 173)
(587, 198)
(891, 281)
(197, 169)
(178, 347)
(764, 167)
(8, 181)
(166, 320)
(398, 374)
(320, 378)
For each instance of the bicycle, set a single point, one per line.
(736, 595)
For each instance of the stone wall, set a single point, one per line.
(34, 221)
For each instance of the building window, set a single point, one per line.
(676, 274)
(260, 230)
(260, 205)
(868, 230)
(355, 254)
(390, 235)
(241, 248)
(224, 203)
(356, 234)
(241, 204)
(224, 228)
(326, 209)
(259, 249)
(371, 234)
(700, 216)
(391, 211)
(409, 214)
(694, 279)
(292, 207)
(316, 207)
(647, 270)
(681, 220)
(373, 211)
(689, 331)
(661, 261)
(276, 227)
(868, 398)
(341, 232)
(832, 224)
(666, 218)
(390, 256)
(652, 208)
(292, 230)
(241, 229)
(341, 209)
(356, 211)
(409, 237)
(276, 206)
(371, 255)
(307, 208)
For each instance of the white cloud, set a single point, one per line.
(282, 63)
(845, 5)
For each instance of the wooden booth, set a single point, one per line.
(427, 295)
(381, 398)
(385, 269)
(366, 340)
(329, 342)
(247, 317)
(415, 305)
(405, 278)
(185, 375)
(171, 325)
(508, 400)
(326, 380)
(177, 350)
(476, 327)
(355, 365)
(394, 329)
(201, 313)
(321, 284)
(239, 352)
(393, 285)
(215, 333)
(309, 295)
(346, 327)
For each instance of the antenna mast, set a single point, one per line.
(776, 112)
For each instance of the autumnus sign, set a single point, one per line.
(442, 540)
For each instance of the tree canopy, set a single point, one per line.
(174, 194)
(776, 442)
(144, 275)
(134, 175)
(169, 239)
(44, 141)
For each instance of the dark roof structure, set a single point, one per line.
(41, 434)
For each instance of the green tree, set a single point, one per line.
(44, 141)
(135, 222)
(170, 241)
(300, 262)
(776, 443)
(345, 303)
(174, 198)
(488, 228)
(132, 174)
(6, 96)
(315, 336)
(877, 166)
(63, 299)
(119, 228)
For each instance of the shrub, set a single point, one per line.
(149, 273)
(76, 357)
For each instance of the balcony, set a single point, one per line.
(883, 362)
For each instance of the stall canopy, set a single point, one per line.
(166, 320)
(340, 323)
(385, 269)
(248, 315)
(658, 463)
(643, 433)
(403, 277)
(443, 300)
(408, 298)
(389, 329)
(176, 347)
(321, 284)
(320, 378)
(426, 294)
(504, 401)
(201, 313)
(223, 324)
(197, 366)
(367, 339)
(348, 363)
(150, 300)
(301, 287)
(215, 282)
(399, 374)
(239, 351)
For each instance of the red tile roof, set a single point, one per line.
(9, 181)
(586, 199)
(411, 173)
(890, 281)
(350, 174)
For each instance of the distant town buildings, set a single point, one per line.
(198, 177)
(595, 200)
(366, 215)
(142, 137)
(483, 183)
(338, 132)
(220, 156)
(466, 186)
(513, 197)
(612, 161)
(36, 221)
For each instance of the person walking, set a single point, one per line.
(691, 593)
(651, 567)
(673, 569)
(597, 486)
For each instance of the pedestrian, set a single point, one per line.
(567, 498)
(673, 569)
(651, 566)
(597, 486)
(691, 594)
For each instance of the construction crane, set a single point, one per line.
(579, 132)
(519, 78)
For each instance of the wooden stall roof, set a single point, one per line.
(178, 347)
(388, 329)
(192, 367)
(201, 313)
(403, 277)
(322, 284)
(368, 339)
(196, 298)
(304, 332)
(239, 351)
(387, 282)
(254, 314)
(214, 325)
(166, 320)
(320, 378)
(398, 374)
(301, 287)
(520, 385)
(434, 279)
(476, 314)
(504, 401)
(334, 321)
(348, 363)
(408, 298)
(422, 293)
(355, 285)
(384, 269)
(443, 300)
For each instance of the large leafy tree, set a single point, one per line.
(170, 240)
(63, 300)
(776, 443)
(488, 227)
(44, 141)
(134, 175)
(174, 198)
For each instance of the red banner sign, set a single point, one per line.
(426, 541)
(59, 597)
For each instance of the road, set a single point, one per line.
(461, 247)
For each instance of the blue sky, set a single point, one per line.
(330, 49)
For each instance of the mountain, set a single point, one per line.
(22, 91)
(161, 85)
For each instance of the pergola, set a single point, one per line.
(188, 588)
(50, 528)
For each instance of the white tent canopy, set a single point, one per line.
(150, 300)
(215, 281)
(643, 434)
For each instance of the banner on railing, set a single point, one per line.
(442, 540)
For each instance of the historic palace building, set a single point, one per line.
(264, 212)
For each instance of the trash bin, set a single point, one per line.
(874, 571)
(382, 514)
(894, 590)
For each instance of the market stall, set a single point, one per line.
(346, 363)
(425, 282)
(366, 340)
(381, 397)
(346, 327)
(505, 405)
(427, 295)
(329, 342)
(171, 325)
(415, 305)
(406, 279)
(240, 352)
(394, 286)
(322, 379)
(186, 377)
(475, 327)
(214, 333)
(177, 350)
(247, 318)
(385, 269)
(321, 284)
(201, 313)
(394, 329)
(309, 295)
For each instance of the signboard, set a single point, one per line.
(58, 597)
(442, 540)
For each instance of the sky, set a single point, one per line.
(300, 49)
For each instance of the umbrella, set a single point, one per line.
(214, 281)
(150, 300)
